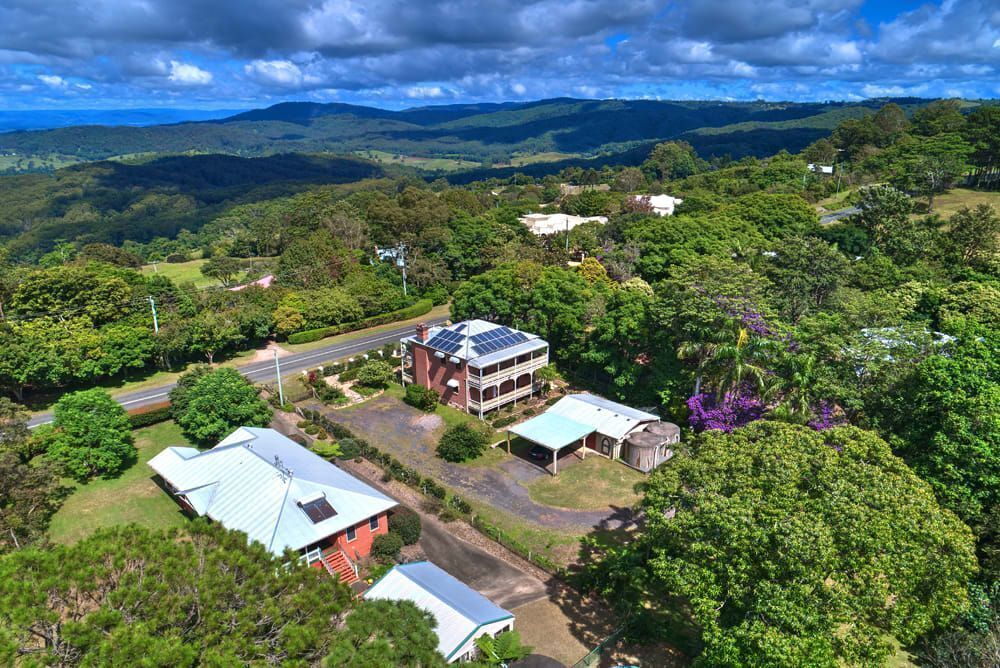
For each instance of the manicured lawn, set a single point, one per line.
(131, 497)
(590, 484)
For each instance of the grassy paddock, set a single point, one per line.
(131, 497)
(948, 204)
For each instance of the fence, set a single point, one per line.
(593, 657)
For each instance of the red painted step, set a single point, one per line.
(337, 564)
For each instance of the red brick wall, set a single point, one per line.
(362, 543)
(435, 373)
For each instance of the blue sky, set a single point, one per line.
(397, 53)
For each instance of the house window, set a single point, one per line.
(373, 523)
(317, 509)
(351, 534)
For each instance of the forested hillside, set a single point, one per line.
(485, 133)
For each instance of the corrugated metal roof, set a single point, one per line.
(458, 609)
(251, 481)
(603, 416)
(551, 430)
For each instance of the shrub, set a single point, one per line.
(528, 412)
(460, 504)
(551, 400)
(302, 424)
(322, 436)
(447, 515)
(504, 421)
(422, 397)
(177, 258)
(312, 430)
(326, 450)
(406, 524)
(149, 416)
(433, 489)
(386, 546)
(419, 308)
(349, 448)
(375, 374)
(461, 442)
(349, 374)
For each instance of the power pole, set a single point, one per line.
(152, 305)
(402, 259)
(277, 372)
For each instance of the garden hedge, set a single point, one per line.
(414, 310)
(149, 416)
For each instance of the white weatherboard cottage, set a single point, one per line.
(462, 613)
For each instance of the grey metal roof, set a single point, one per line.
(253, 482)
(473, 339)
(458, 609)
(602, 415)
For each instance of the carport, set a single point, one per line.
(553, 432)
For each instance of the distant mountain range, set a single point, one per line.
(492, 134)
(46, 119)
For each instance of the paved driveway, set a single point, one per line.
(497, 580)
(412, 435)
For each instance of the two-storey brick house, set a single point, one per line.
(475, 365)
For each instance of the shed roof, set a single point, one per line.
(552, 431)
(458, 609)
(602, 415)
(256, 481)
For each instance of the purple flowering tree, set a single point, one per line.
(732, 411)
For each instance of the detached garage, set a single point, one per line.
(612, 430)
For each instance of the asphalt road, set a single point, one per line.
(264, 371)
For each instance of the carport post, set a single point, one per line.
(555, 462)
(508, 441)
(583, 442)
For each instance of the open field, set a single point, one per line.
(182, 272)
(429, 164)
(20, 163)
(131, 497)
(950, 202)
(534, 158)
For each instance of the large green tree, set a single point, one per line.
(792, 547)
(30, 491)
(387, 633)
(200, 596)
(90, 434)
(217, 403)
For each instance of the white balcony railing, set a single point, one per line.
(489, 404)
(506, 374)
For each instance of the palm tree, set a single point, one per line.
(733, 358)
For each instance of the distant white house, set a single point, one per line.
(663, 205)
(551, 223)
(462, 613)
(820, 169)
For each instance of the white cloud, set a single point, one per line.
(283, 73)
(519, 89)
(421, 92)
(874, 90)
(52, 80)
(83, 86)
(188, 75)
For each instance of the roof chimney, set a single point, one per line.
(422, 332)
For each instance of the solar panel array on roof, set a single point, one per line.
(318, 510)
(447, 341)
(497, 339)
